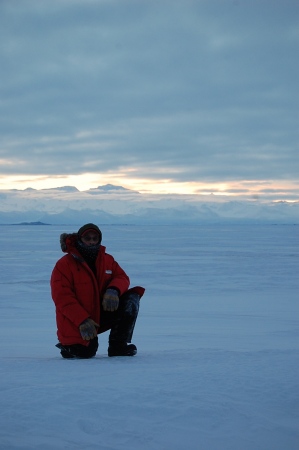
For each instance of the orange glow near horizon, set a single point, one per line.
(87, 181)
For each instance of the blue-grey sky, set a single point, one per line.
(150, 94)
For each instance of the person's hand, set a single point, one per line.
(110, 300)
(88, 329)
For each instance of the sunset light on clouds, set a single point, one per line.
(243, 189)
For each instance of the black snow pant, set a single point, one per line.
(121, 324)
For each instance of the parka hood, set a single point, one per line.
(68, 241)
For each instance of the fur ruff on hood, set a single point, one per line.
(67, 239)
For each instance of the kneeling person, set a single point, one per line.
(91, 294)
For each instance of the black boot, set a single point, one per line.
(78, 350)
(121, 349)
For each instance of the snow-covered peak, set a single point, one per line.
(110, 188)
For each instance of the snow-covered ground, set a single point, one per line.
(217, 337)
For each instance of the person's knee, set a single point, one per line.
(131, 306)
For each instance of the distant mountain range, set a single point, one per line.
(104, 188)
(111, 204)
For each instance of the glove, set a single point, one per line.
(88, 329)
(110, 300)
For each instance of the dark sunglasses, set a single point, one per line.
(91, 238)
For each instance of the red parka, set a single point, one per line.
(77, 292)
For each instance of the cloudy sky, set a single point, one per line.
(157, 95)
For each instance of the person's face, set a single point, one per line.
(90, 238)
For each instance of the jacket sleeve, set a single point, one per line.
(116, 276)
(64, 296)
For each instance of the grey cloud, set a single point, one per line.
(176, 148)
(197, 90)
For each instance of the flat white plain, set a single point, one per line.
(217, 337)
